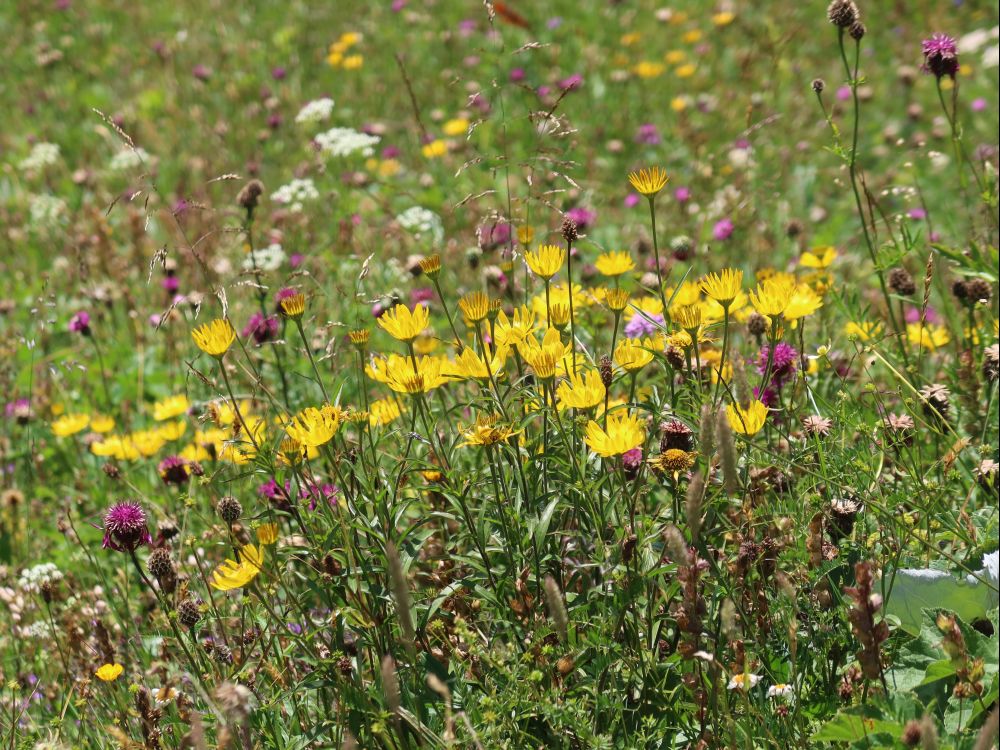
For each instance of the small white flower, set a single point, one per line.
(47, 211)
(295, 194)
(128, 158)
(743, 681)
(346, 141)
(780, 690)
(32, 579)
(420, 221)
(267, 258)
(318, 110)
(704, 656)
(42, 155)
(163, 696)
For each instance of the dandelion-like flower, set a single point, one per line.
(314, 427)
(234, 575)
(487, 431)
(546, 261)
(214, 338)
(747, 420)
(624, 432)
(125, 527)
(648, 182)
(614, 263)
(291, 303)
(403, 324)
(723, 287)
(581, 391)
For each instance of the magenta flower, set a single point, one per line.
(783, 364)
(723, 229)
(940, 56)
(682, 194)
(80, 323)
(263, 329)
(174, 470)
(571, 83)
(648, 135)
(125, 527)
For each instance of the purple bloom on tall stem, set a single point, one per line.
(940, 55)
(723, 229)
(783, 363)
(125, 527)
(80, 323)
(263, 329)
(173, 470)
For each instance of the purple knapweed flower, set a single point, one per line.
(80, 323)
(261, 328)
(940, 55)
(723, 229)
(125, 527)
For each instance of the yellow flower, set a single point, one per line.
(475, 306)
(455, 127)
(688, 317)
(170, 407)
(688, 293)
(403, 324)
(614, 263)
(675, 57)
(723, 287)
(647, 69)
(673, 461)
(70, 424)
(724, 18)
(686, 71)
(546, 261)
(428, 374)
(172, 430)
(471, 365)
(545, 355)
(359, 337)
(314, 427)
(624, 432)
(648, 181)
(616, 299)
(929, 337)
(102, 423)
(748, 421)
(559, 315)
(431, 265)
(632, 354)
(109, 672)
(581, 392)
(511, 332)
(293, 305)
(818, 257)
(525, 236)
(214, 338)
(352, 62)
(235, 575)
(267, 533)
(679, 103)
(772, 295)
(383, 412)
(115, 446)
(487, 431)
(434, 149)
(804, 301)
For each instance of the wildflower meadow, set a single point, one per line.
(499, 375)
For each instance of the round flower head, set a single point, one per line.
(80, 323)
(214, 338)
(723, 287)
(649, 182)
(109, 672)
(404, 325)
(125, 527)
(546, 261)
(940, 55)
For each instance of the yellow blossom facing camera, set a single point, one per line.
(487, 431)
(403, 375)
(109, 672)
(581, 391)
(234, 574)
(747, 420)
(624, 432)
(70, 424)
(434, 149)
(723, 287)
(803, 302)
(101, 423)
(455, 127)
(648, 182)
(214, 338)
(927, 336)
(170, 407)
(403, 324)
(634, 354)
(772, 295)
(314, 427)
(614, 263)
(819, 257)
(546, 261)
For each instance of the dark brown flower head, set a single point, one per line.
(230, 510)
(606, 371)
(189, 613)
(857, 31)
(818, 85)
(842, 13)
(979, 290)
(937, 400)
(756, 324)
(901, 282)
(570, 231)
(159, 564)
(249, 196)
(674, 434)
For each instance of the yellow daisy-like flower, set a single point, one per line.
(818, 257)
(102, 423)
(772, 295)
(673, 461)
(109, 672)
(402, 377)
(559, 316)
(431, 265)
(314, 427)
(455, 127)
(688, 317)
(525, 236)
(235, 575)
(434, 149)
(214, 338)
(648, 69)
(475, 306)
(115, 446)
(624, 432)
(402, 324)
(545, 354)
(170, 431)
(723, 287)
(747, 421)
(543, 364)
(724, 18)
(581, 392)
(383, 412)
(632, 354)
(487, 431)
(293, 305)
(512, 331)
(170, 407)
(359, 337)
(863, 330)
(267, 533)
(648, 182)
(688, 293)
(929, 337)
(546, 261)
(614, 263)
(616, 299)
(470, 365)
(804, 301)
(70, 424)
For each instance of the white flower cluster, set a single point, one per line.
(985, 40)
(421, 222)
(42, 155)
(318, 110)
(346, 141)
(47, 210)
(32, 579)
(128, 158)
(295, 193)
(267, 258)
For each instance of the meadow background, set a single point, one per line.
(366, 386)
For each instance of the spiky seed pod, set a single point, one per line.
(570, 231)
(818, 85)
(230, 510)
(606, 371)
(189, 613)
(842, 13)
(249, 196)
(857, 31)
(160, 565)
(901, 282)
(222, 653)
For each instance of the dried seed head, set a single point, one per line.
(570, 231)
(674, 434)
(706, 432)
(857, 31)
(676, 546)
(230, 510)
(842, 13)
(250, 195)
(901, 282)
(756, 324)
(606, 371)
(189, 613)
(818, 85)
(991, 362)
(390, 683)
(727, 452)
(160, 565)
